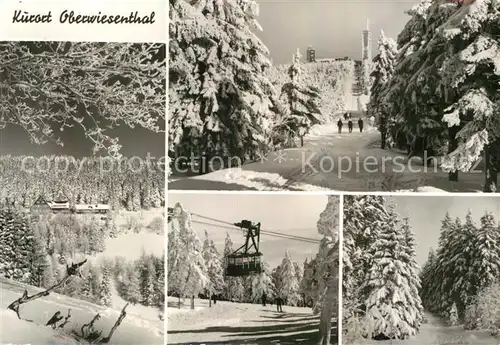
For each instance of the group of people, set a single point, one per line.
(348, 118)
(279, 302)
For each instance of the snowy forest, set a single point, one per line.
(461, 277)
(117, 182)
(196, 269)
(435, 88)
(222, 104)
(452, 298)
(35, 251)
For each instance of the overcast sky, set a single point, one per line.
(288, 214)
(332, 27)
(426, 214)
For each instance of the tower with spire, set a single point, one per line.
(366, 58)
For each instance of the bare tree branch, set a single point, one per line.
(72, 270)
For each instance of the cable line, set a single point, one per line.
(285, 236)
(268, 232)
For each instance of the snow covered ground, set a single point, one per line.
(141, 326)
(435, 333)
(334, 162)
(238, 323)
(134, 330)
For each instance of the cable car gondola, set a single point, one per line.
(247, 259)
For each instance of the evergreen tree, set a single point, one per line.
(214, 266)
(427, 276)
(133, 289)
(382, 72)
(391, 286)
(233, 114)
(39, 263)
(191, 271)
(327, 272)
(105, 288)
(18, 245)
(289, 289)
(262, 284)
(486, 256)
(302, 101)
(470, 73)
(364, 217)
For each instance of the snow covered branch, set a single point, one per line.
(71, 271)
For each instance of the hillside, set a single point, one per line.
(130, 266)
(134, 330)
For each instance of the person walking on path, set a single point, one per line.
(264, 297)
(360, 124)
(279, 303)
(349, 124)
(339, 125)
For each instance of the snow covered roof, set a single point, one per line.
(58, 205)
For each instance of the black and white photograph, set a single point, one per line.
(421, 270)
(82, 192)
(358, 96)
(253, 269)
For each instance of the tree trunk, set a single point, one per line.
(301, 141)
(179, 302)
(490, 169)
(192, 302)
(327, 310)
(452, 146)
(210, 298)
(383, 139)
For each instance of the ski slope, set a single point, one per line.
(239, 323)
(134, 330)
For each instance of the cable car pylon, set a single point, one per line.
(247, 259)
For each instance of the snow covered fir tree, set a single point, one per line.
(395, 287)
(380, 276)
(442, 96)
(198, 272)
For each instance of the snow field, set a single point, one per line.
(132, 331)
(236, 323)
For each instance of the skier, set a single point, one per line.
(54, 319)
(264, 297)
(349, 125)
(346, 115)
(339, 125)
(279, 303)
(360, 124)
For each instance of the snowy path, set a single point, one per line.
(436, 333)
(239, 323)
(358, 165)
(132, 331)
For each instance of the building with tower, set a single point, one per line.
(366, 59)
(310, 54)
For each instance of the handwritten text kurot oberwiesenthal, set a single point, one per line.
(70, 17)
